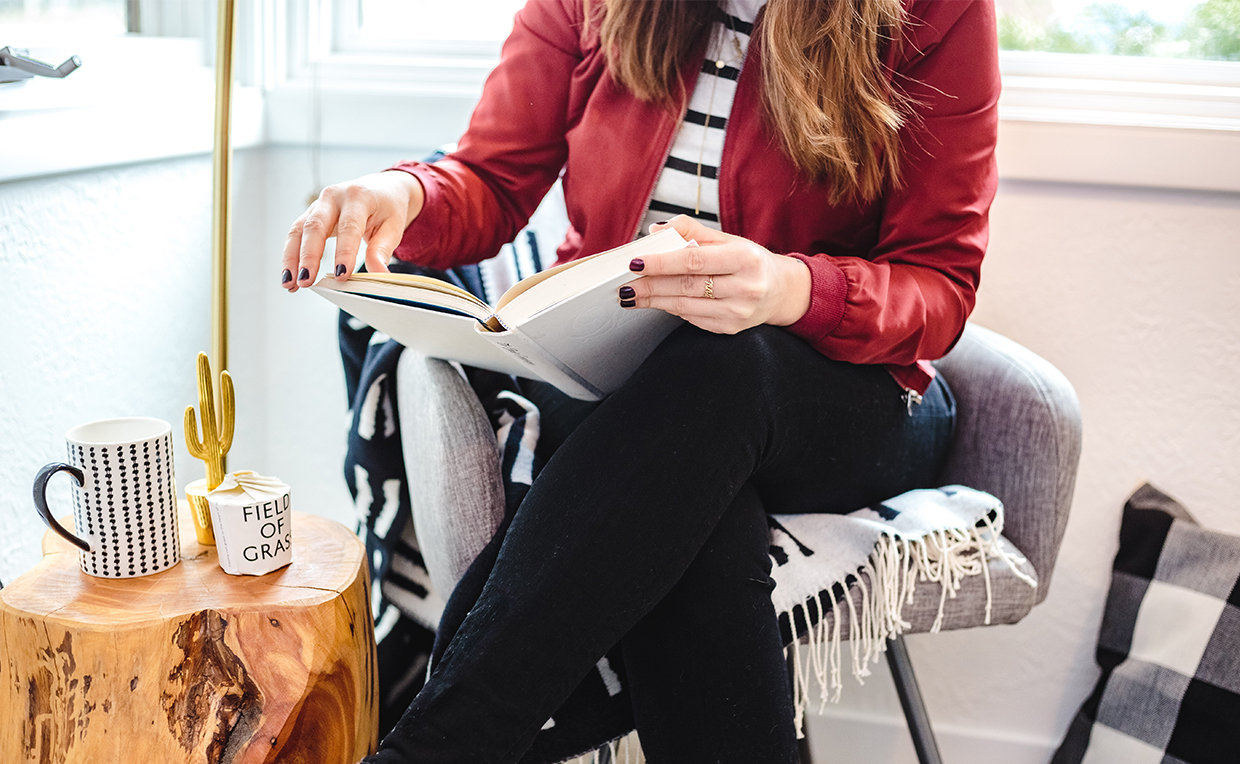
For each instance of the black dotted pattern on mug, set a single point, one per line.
(83, 517)
(168, 518)
(107, 516)
(148, 500)
(164, 457)
(132, 509)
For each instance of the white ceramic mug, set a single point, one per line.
(125, 499)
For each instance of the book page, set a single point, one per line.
(525, 284)
(579, 276)
(410, 290)
(595, 338)
(413, 280)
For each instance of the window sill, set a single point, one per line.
(1120, 155)
(1062, 118)
(1033, 145)
(1120, 121)
(133, 103)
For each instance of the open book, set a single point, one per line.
(564, 326)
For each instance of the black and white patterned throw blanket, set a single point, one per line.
(412, 624)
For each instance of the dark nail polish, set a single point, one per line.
(662, 222)
(303, 275)
(628, 303)
(286, 277)
(627, 293)
(636, 264)
(340, 270)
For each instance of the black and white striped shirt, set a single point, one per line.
(688, 184)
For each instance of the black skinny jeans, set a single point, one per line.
(648, 527)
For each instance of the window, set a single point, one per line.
(426, 45)
(1186, 29)
(414, 24)
(1138, 92)
(145, 89)
(1137, 63)
(21, 18)
(379, 73)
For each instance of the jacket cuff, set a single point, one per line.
(422, 233)
(916, 377)
(827, 296)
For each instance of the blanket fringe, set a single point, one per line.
(884, 585)
(625, 749)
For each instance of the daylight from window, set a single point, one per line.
(97, 17)
(481, 20)
(1193, 29)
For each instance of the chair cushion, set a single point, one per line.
(1169, 647)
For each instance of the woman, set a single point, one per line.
(834, 162)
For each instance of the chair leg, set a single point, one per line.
(803, 744)
(910, 698)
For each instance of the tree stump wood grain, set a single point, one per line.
(191, 664)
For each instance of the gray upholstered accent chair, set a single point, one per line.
(1018, 436)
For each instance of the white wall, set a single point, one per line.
(1133, 294)
(103, 305)
(285, 357)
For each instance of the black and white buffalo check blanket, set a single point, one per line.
(1169, 646)
(867, 562)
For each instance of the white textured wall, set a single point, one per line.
(1135, 295)
(105, 302)
(103, 306)
(290, 382)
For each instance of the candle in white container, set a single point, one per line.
(252, 519)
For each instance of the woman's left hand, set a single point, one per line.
(725, 285)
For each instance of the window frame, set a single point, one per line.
(1038, 86)
(150, 96)
(1071, 117)
(347, 37)
(1120, 90)
(1063, 117)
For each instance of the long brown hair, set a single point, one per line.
(826, 90)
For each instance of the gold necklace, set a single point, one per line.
(710, 104)
(736, 42)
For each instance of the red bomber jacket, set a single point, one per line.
(894, 279)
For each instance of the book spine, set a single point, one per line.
(544, 365)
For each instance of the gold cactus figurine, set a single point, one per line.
(217, 436)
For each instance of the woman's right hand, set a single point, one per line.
(376, 208)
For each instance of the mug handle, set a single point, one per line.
(40, 500)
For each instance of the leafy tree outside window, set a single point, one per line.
(1208, 30)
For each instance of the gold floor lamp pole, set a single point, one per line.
(217, 430)
(221, 221)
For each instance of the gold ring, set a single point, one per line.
(710, 288)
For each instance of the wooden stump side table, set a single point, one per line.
(191, 664)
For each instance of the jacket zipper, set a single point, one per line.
(667, 150)
(679, 123)
(728, 135)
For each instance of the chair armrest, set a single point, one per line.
(1018, 436)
